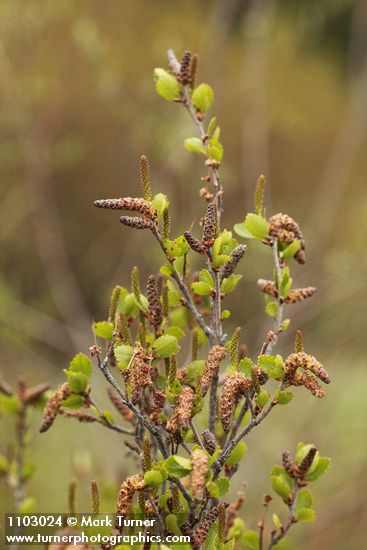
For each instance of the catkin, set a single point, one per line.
(182, 413)
(155, 308)
(159, 400)
(209, 441)
(94, 496)
(307, 362)
(128, 488)
(137, 223)
(288, 464)
(194, 243)
(129, 203)
(216, 355)
(185, 71)
(210, 226)
(145, 178)
(53, 406)
(5, 389)
(306, 463)
(200, 466)
(233, 387)
(287, 230)
(294, 295)
(236, 255)
(123, 409)
(199, 536)
(32, 395)
(140, 370)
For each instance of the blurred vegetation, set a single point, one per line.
(78, 108)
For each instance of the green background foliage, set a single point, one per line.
(78, 108)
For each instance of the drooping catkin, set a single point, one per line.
(154, 305)
(210, 226)
(129, 203)
(236, 256)
(53, 405)
(200, 466)
(199, 536)
(294, 295)
(233, 387)
(94, 497)
(78, 415)
(306, 463)
(137, 223)
(140, 370)
(307, 362)
(128, 488)
(216, 355)
(182, 414)
(159, 400)
(235, 342)
(32, 395)
(145, 178)
(185, 71)
(287, 230)
(222, 522)
(259, 195)
(115, 296)
(194, 243)
(123, 409)
(209, 441)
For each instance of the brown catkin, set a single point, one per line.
(173, 63)
(209, 441)
(94, 496)
(306, 463)
(145, 178)
(307, 362)
(128, 488)
(53, 405)
(259, 195)
(32, 395)
(288, 464)
(235, 341)
(5, 389)
(193, 69)
(210, 226)
(137, 223)
(82, 417)
(185, 72)
(309, 382)
(194, 345)
(129, 203)
(120, 406)
(294, 295)
(222, 522)
(194, 243)
(236, 255)
(233, 387)
(233, 510)
(140, 370)
(155, 307)
(216, 355)
(166, 223)
(182, 413)
(159, 400)
(199, 536)
(200, 466)
(146, 454)
(286, 230)
(298, 345)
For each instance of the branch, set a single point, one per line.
(290, 521)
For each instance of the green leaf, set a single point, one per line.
(321, 468)
(171, 524)
(215, 150)
(276, 521)
(27, 506)
(211, 542)
(194, 145)
(240, 229)
(166, 345)
(237, 454)
(201, 288)
(302, 450)
(9, 404)
(280, 486)
(123, 354)
(160, 203)
(291, 249)
(283, 397)
(305, 515)
(285, 325)
(225, 314)
(81, 363)
(213, 489)
(166, 84)
(304, 499)
(245, 366)
(194, 369)
(177, 466)
(237, 529)
(176, 248)
(211, 125)
(177, 332)
(77, 381)
(251, 540)
(229, 545)
(73, 402)
(153, 478)
(223, 484)
(203, 97)
(273, 366)
(166, 269)
(103, 330)
(206, 277)
(257, 226)
(262, 398)
(271, 308)
(230, 283)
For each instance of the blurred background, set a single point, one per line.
(78, 108)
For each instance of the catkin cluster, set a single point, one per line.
(298, 368)
(287, 230)
(209, 232)
(293, 296)
(234, 386)
(199, 536)
(216, 355)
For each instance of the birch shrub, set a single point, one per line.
(186, 418)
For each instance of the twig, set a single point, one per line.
(291, 519)
(196, 434)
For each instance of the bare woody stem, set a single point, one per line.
(275, 538)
